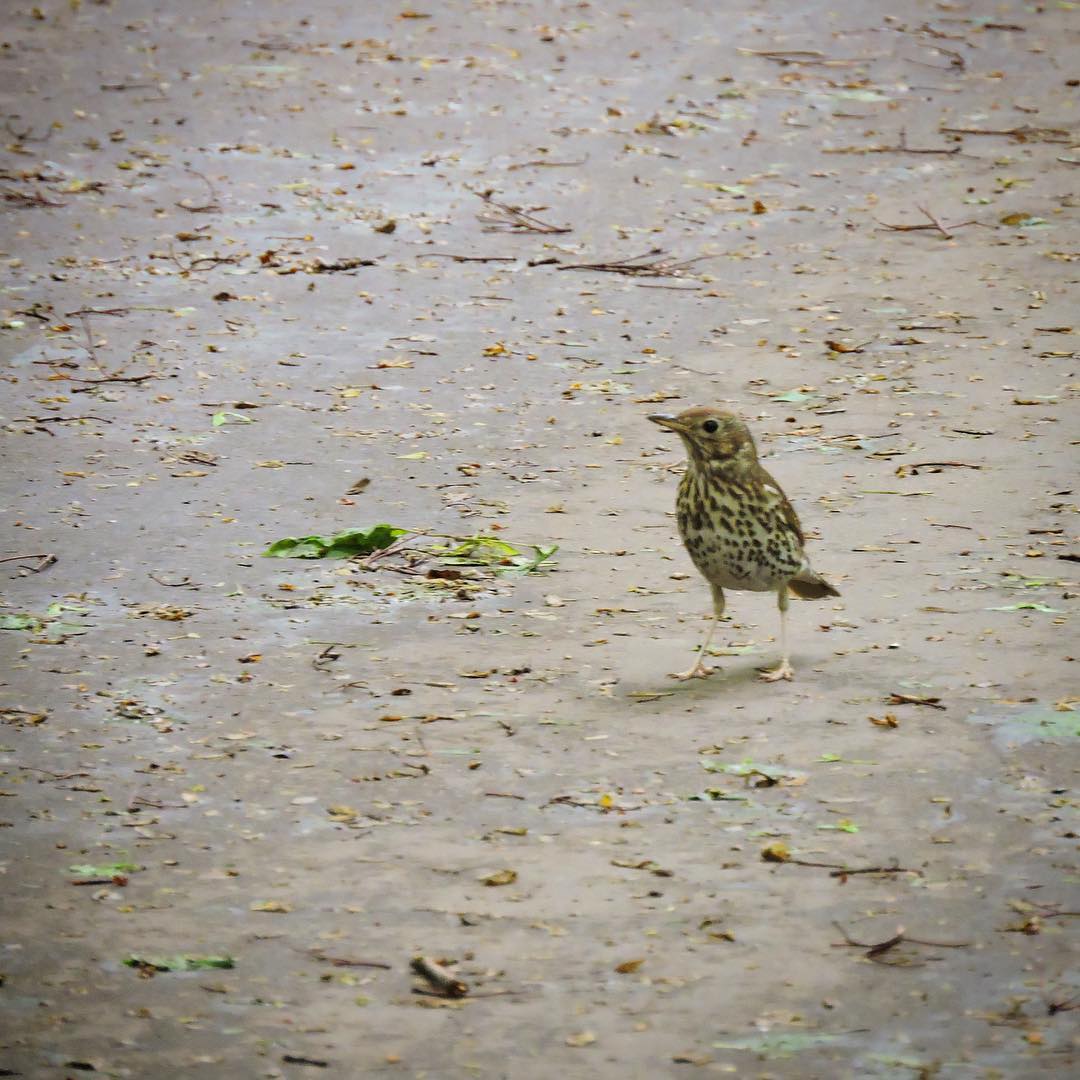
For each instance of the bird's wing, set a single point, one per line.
(778, 500)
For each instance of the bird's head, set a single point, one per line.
(711, 436)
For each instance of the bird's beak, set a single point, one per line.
(666, 420)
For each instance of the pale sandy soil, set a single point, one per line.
(191, 174)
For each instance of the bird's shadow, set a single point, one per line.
(727, 677)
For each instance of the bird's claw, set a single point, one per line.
(785, 671)
(698, 671)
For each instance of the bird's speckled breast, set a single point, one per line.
(735, 534)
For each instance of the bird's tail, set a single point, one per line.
(810, 585)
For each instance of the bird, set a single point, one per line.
(737, 524)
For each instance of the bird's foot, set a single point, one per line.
(698, 671)
(785, 671)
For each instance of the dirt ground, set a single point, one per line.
(254, 255)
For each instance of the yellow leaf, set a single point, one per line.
(500, 877)
(418, 455)
(776, 852)
(581, 1038)
(276, 907)
(498, 349)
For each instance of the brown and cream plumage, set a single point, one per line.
(738, 526)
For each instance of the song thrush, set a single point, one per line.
(738, 526)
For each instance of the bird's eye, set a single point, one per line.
(710, 426)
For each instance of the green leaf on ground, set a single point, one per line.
(51, 620)
(343, 545)
(22, 621)
(841, 826)
(748, 770)
(108, 870)
(1021, 581)
(220, 419)
(499, 555)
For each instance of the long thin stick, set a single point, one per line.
(443, 980)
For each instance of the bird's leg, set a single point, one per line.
(785, 670)
(700, 670)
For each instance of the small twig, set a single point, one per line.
(91, 383)
(937, 224)
(36, 555)
(195, 263)
(23, 199)
(65, 419)
(338, 265)
(507, 218)
(671, 288)
(120, 311)
(348, 961)
(185, 583)
(939, 944)
(805, 57)
(661, 266)
(328, 655)
(212, 207)
(271, 44)
(137, 800)
(956, 60)
(467, 258)
(913, 699)
(841, 871)
(25, 136)
(546, 164)
(934, 225)
(1021, 134)
(440, 978)
(900, 148)
(392, 549)
(845, 872)
(901, 935)
(84, 319)
(943, 465)
(49, 772)
(779, 54)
